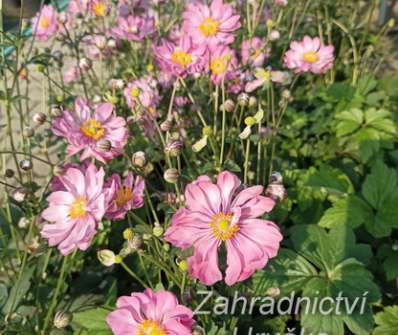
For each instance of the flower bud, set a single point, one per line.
(104, 145)
(26, 164)
(116, 84)
(171, 175)
(62, 319)
(391, 23)
(139, 159)
(85, 64)
(55, 111)
(276, 178)
(243, 99)
(28, 132)
(286, 94)
(252, 102)
(19, 194)
(183, 265)
(23, 222)
(250, 121)
(166, 125)
(111, 43)
(228, 105)
(273, 291)
(128, 234)
(9, 173)
(106, 257)
(274, 35)
(39, 118)
(270, 23)
(118, 259)
(157, 231)
(173, 148)
(207, 131)
(135, 243)
(166, 247)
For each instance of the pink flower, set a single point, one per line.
(75, 211)
(128, 194)
(223, 64)
(217, 214)
(97, 46)
(150, 313)
(309, 55)
(45, 23)
(85, 128)
(212, 25)
(72, 74)
(180, 58)
(254, 51)
(134, 28)
(141, 92)
(99, 8)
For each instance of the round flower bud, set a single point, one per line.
(28, 132)
(276, 178)
(273, 291)
(166, 125)
(166, 247)
(269, 23)
(111, 43)
(9, 173)
(135, 243)
(128, 234)
(250, 120)
(207, 131)
(116, 84)
(391, 23)
(252, 102)
(26, 164)
(148, 168)
(228, 105)
(173, 148)
(19, 194)
(243, 99)
(62, 319)
(146, 237)
(106, 257)
(183, 265)
(157, 231)
(274, 35)
(171, 175)
(85, 64)
(55, 111)
(39, 118)
(23, 222)
(286, 94)
(104, 145)
(139, 159)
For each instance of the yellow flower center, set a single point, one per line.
(219, 65)
(44, 22)
(221, 226)
(181, 58)
(93, 129)
(311, 56)
(78, 208)
(263, 74)
(135, 92)
(149, 327)
(209, 26)
(124, 195)
(99, 8)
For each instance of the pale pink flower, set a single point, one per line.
(212, 25)
(72, 74)
(75, 211)
(85, 127)
(309, 55)
(223, 64)
(150, 313)
(141, 92)
(254, 51)
(180, 58)
(127, 195)
(218, 213)
(45, 23)
(134, 28)
(97, 45)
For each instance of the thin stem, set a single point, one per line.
(132, 274)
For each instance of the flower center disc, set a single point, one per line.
(221, 226)
(219, 65)
(149, 327)
(93, 129)
(181, 57)
(209, 26)
(99, 9)
(311, 56)
(135, 92)
(44, 22)
(123, 196)
(78, 208)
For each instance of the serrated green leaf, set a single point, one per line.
(387, 321)
(349, 211)
(350, 121)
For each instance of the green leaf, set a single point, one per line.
(390, 266)
(379, 185)
(93, 320)
(331, 179)
(387, 321)
(350, 121)
(350, 211)
(288, 271)
(380, 119)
